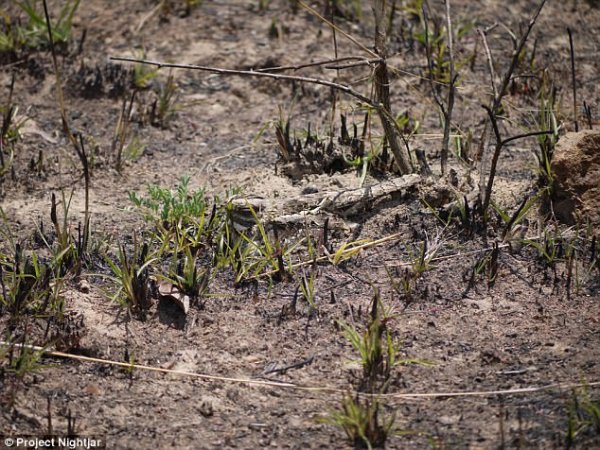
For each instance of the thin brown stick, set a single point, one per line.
(447, 107)
(381, 83)
(252, 73)
(490, 61)
(515, 58)
(335, 53)
(356, 61)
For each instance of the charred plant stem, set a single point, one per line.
(78, 146)
(496, 107)
(381, 81)
(573, 78)
(445, 108)
(451, 92)
(500, 143)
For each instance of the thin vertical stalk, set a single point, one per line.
(573, 78)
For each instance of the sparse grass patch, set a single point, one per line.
(16, 37)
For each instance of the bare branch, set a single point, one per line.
(451, 92)
(515, 58)
(526, 135)
(352, 61)
(252, 73)
(497, 101)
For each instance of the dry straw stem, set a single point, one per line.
(305, 388)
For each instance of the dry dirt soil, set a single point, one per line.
(492, 343)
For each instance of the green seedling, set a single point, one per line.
(17, 361)
(143, 75)
(347, 250)
(546, 120)
(422, 257)
(68, 252)
(550, 247)
(377, 350)
(362, 421)
(131, 274)
(257, 252)
(185, 275)
(169, 208)
(10, 132)
(307, 287)
(511, 221)
(33, 34)
(25, 284)
(583, 417)
(166, 104)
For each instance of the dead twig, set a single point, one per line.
(352, 61)
(496, 104)
(252, 73)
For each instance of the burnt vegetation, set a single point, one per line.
(446, 125)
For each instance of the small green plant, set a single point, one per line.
(169, 208)
(10, 132)
(583, 417)
(549, 247)
(377, 348)
(122, 131)
(184, 274)
(546, 120)
(33, 34)
(25, 284)
(131, 273)
(361, 419)
(17, 360)
(253, 251)
(307, 287)
(166, 103)
(143, 74)
(68, 251)
(422, 257)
